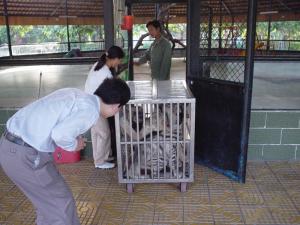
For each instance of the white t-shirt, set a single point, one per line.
(95, 78)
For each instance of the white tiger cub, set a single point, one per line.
(161, 159)
(159, 134)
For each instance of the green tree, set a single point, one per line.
(3, 35)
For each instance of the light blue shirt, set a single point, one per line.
(56, 119)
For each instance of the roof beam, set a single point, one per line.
(284, 5)
(55, 10)
(225, 6)
(154, 1)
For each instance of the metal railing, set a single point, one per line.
(50, 47)
(61, 47)
(278, 45)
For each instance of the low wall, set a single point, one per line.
(274, 135)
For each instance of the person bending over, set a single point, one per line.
(33, 133)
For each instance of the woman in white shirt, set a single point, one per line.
(100, 132)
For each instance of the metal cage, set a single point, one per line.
(155, 134)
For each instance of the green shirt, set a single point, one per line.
(159, 54)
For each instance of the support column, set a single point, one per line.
(248, 81)
(210, 27)
(109, 32)
(269, 34)
(220, 25)
(7, 28)
(130, 48)
(67, 20)
(193, 39)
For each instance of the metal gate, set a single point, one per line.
(220, 75)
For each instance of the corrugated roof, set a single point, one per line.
(94, 8)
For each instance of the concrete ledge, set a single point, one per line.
(274, 135)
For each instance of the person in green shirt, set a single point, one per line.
(159, 54)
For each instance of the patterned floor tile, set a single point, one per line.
(196, 223)
(111, 209)
(137, 222)
(76, 181)
(169, 197)
(116, 196)
(168, 223)
(144, 197)
(198, 214)
(249, 185)
(295, 165)
(4, 216)
(262, 174)
(257, 215)
(294, 196)
(284, 215)
(279, 166)
(12, 200)
(90, 194)
(287, 176)
(86, 211)
(138, 212)
(227, 214)
(25, 207)
(22, 218)
(271, 195)
(107, 221)
(260, 171)
(222, 196)
(218, 182)
(249, 197)
(5, 181)
(277, 198)
(100, 178)
(5, 188)
(290, 185)
(167, 212)
(196, 196)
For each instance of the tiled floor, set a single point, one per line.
(271, 195)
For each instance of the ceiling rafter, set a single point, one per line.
(146, 8)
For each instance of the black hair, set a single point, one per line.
(154, 23)
(113, 91)
(112, 53)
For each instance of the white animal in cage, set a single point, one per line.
(160, 157)
(166, 119)
(136, 127)
(161, 126)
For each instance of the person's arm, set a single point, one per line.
(145, 57)
(166, 62)
(66, 134)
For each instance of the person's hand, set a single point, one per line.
(80, 143)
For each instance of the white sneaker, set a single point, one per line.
(106, 165)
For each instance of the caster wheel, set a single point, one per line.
(183, 187)
(129, 188)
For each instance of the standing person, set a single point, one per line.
(159, 54)
(100, 133)
(32, 134)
